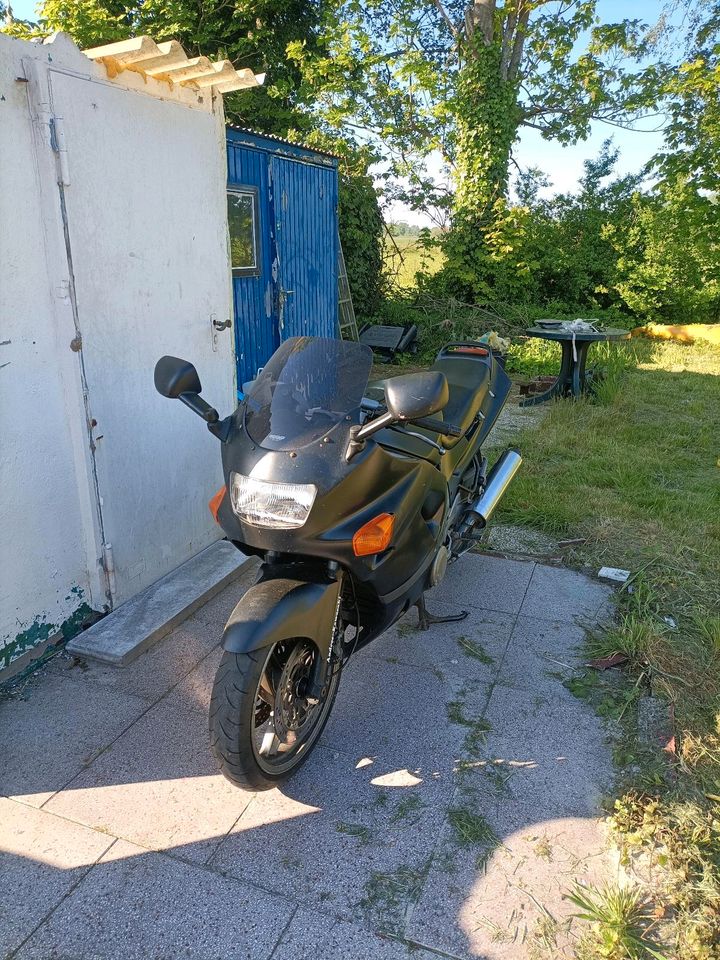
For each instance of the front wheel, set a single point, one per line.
(263, 723)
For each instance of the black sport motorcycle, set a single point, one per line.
(353, 514)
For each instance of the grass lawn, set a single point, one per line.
(636, 473)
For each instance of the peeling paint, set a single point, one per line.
(42, 630)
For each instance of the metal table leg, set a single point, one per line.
(579, 380)
(564, 383)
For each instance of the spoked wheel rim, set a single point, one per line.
(286, 719)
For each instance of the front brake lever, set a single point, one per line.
(419, 436)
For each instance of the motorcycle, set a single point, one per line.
(356, 497)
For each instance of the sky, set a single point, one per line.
(563, 165)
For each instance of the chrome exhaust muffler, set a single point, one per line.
(498, 480)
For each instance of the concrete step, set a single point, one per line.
(138, 623)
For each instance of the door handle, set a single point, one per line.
(216, 326)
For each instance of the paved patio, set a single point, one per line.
(451, 803)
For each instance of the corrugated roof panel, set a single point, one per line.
(168, 61)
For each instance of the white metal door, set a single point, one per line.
(145, 207)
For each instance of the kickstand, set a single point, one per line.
(426, 619)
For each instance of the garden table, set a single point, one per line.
(572, 380)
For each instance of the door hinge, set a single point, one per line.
(108, 565)
(58, 144)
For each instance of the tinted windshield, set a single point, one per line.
(308, 385)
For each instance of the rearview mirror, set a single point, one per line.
(174, 377)
(416, 395)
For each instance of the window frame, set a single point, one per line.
(247, 190)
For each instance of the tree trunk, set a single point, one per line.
(487, 119)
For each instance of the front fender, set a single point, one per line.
(279, 608)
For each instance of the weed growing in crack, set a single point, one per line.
(478, 728)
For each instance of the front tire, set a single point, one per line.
(262, 728)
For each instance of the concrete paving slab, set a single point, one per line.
(195, 690)
(478, 581)
(360, 837)
(153, 673)
(54, 731)
(41, 859)
(157, 786)
(470, 649)
(152, 614)
(552, 755)
(397, 714)
(555, 593)
(540, 655)
(504, 900)
(311, 936)
(353, 839)
(137, 904)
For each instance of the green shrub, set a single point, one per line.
(361, 236)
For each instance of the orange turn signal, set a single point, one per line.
(374, 536)
(214, 504)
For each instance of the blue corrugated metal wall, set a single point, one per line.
(305, 203)
(296, 290)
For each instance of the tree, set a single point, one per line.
(464, 78)
(668, 265)
(250, 33)
(691, 151)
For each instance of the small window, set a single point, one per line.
(243, 224)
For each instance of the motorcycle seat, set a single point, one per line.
(468, 381)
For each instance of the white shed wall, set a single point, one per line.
(141, 173)
(45, 508)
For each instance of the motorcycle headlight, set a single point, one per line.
(266, 504)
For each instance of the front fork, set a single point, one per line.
(325, 666)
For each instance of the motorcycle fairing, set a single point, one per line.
(377, 481)
(381, 478)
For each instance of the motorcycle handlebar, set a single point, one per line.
(439, 426)
(429, 423)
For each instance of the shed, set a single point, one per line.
(282, 217)
(113, 188)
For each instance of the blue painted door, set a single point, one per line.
(305, 204)
(283, 236)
